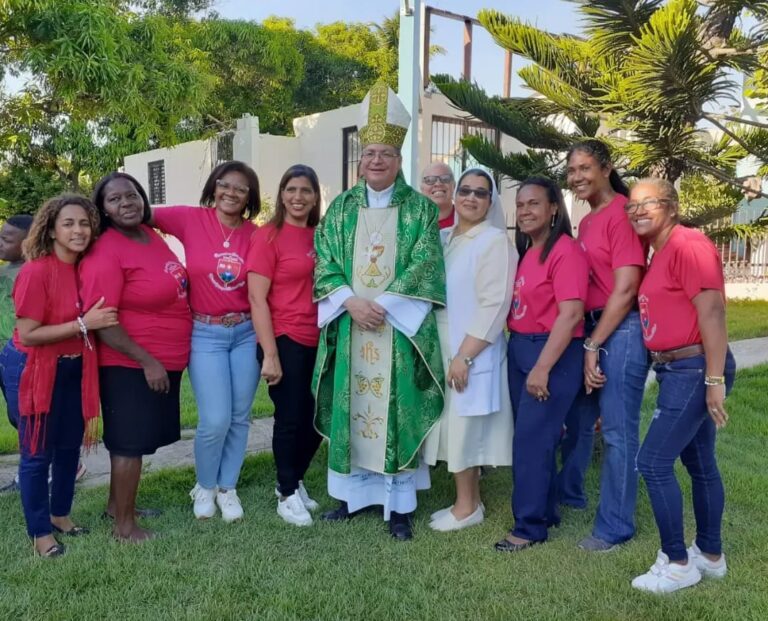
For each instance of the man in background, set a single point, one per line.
(438, 185)
(13, 232)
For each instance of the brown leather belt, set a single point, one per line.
(229, 320)
(677, 354)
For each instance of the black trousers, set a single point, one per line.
(294, 439)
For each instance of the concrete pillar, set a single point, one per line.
(409, 81)
(245, 145)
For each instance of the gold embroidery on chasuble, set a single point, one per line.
(371, 365)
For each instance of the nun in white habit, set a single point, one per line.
(476, 426)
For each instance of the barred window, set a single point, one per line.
(350, 157)
(156, 174)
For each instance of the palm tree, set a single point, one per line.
(646, 77)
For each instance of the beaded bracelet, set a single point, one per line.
(84, 332)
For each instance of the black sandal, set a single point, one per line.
(57, 549)
(505, 545)
(138, 512)
(75, 531)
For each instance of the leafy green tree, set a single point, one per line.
(24, 189)
(645, 76)
(101, 82)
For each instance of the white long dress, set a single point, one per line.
(476, 426)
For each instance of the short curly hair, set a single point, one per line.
(39, 242)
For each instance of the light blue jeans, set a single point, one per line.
(224, 373)
(624, 360)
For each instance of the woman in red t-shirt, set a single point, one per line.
(615, 361)
(222, 363)
(682, 306)
(545, 354)
(58, 394)
(281, 262)
(142, 359)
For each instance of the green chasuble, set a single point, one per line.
(416, 379)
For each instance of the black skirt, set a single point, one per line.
(138, 420)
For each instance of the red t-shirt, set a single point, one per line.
(217, 276)
(444, 223)
(46, 291)
(686, 265)
(148, 286)
(287, 258)
(539, 287)
(610, 243)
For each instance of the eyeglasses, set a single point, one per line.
(645, 204)
(433, 179)
(384, 155)
(478, 192)
(240, 190)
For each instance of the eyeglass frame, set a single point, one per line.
(431, 180)
(240, 190)
(385, 156)
(466, 192)
(645, 203)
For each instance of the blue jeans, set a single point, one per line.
(624, 362)
(59, 450)
(12, 363)
(537, 431)
(681, 427)
(224, 375)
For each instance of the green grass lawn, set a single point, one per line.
(747, 319)
(263, 568)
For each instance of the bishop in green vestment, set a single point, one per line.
(379, 276)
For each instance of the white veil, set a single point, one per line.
(495, 213)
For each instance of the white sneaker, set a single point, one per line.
(293, 511)
(707, 568)
(204, 506)
(666, 577)
(230, 506)
(310, 504)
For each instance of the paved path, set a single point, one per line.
(747, 353)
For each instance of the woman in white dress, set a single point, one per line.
(476, 426)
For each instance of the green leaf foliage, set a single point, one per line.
(643, 77)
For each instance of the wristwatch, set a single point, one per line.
(469, 361)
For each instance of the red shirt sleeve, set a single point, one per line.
(697, 267)
(101, 275)
(570, 272)
(172, 220)
(626, 248)
(262, 255)
(29, 292)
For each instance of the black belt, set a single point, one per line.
(594, 315)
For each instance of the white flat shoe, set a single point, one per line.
(448, 521)
(438, 514)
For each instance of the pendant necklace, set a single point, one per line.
(226, 243)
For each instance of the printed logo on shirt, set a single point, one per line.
(517, 312)
(645, 320)
(229, 265)
(180, 275)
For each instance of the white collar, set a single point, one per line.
(379, 199)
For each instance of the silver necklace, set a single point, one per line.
(226, 243)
